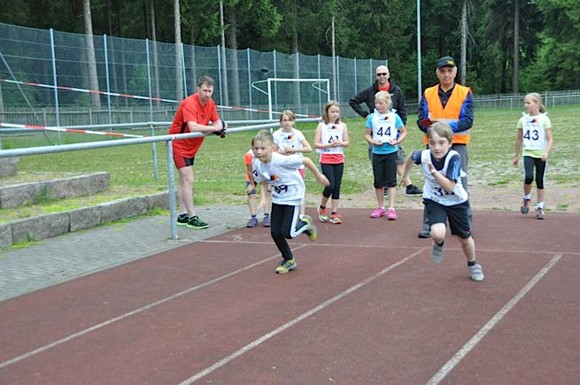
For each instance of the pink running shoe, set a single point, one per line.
(392, 214)
(379, 212)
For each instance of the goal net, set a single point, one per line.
(305, 97)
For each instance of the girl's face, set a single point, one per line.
(333, 114)
(531, 106)
(381, 106)
(439, 146)
(286, 122)
(263, 150)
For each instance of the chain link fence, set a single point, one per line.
(45, 80)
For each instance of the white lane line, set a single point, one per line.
(456, 359)
(134, 312)
(293, 322)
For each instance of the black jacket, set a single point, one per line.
(367, 96)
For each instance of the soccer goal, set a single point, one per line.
(305, 97)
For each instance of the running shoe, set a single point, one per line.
(379, 212)
(476, 272)
(252, 222)
(195, 222)
(392, 214)
(539, 213)
(413, 191)
(437, 253)
(311, 229)
(267, 221)
(182, 220)
(286, 266)
(322, 214)
(525, 207)
(335, 218)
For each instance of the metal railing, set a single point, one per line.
(168, 139)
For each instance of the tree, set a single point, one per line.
(92, 61)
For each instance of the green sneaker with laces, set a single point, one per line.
(195, 222)
(286, 266)
(311, 229)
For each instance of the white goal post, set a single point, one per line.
(320, 85)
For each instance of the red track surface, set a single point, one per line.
(365, 306)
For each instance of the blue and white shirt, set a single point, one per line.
(384, 127)
(450, 167)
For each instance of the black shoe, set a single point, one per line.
(413, 191)
(182, 220)
(424, 234)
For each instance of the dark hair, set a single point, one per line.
(205, 80)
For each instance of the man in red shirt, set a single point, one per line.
(193, 115)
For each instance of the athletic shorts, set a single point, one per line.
(181, 161)
(400, 155)
(458, 216)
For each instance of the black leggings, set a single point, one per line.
(285, 225)
(540, 166)
(334, 174)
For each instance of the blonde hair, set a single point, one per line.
(289, 114)
(327, 106)
(385, 97)
(264, 136)
(536, 97)
(441, 129)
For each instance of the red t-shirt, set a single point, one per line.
(191, 109)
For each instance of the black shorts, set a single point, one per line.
(458, 216)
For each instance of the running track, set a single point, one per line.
(365, 306)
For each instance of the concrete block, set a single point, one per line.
(8, 167)
(123, 208)
(5, 235)
(41, 227)
(85, 218)
(160, 200)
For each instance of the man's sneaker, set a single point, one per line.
(476, 272)
(311, 229)
(267, 221)
(539, 213)
(525, 207)
(385, 192)
(322, 214)
(335, 218)
(286, 266)
(379, 212)
(182, 220)
(392, 214)
(195, 222)
(413, 191)
(437, 253)
(252, 222)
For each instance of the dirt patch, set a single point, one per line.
(563, 199)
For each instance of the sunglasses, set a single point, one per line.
(383, 74)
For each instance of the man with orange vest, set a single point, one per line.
(451, 103)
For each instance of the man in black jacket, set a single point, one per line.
(367, 96)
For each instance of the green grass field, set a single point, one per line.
(219, 167)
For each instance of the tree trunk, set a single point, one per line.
(155, 56)
(516, 78)
(92, 61)
(463, 58)
(178, 52)
(234, 63)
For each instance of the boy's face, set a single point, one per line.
(263, 150)
(438, 145)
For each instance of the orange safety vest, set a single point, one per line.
(448, 113)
